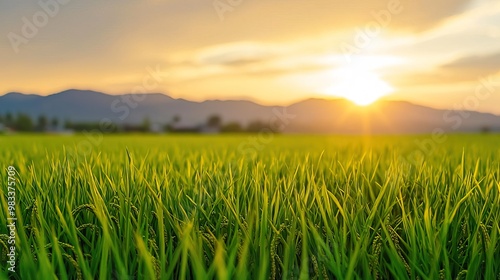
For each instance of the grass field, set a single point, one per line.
(227, 207)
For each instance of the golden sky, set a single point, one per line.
(435, 53)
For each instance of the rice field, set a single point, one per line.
(245, 207)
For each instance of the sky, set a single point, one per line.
(442, 54)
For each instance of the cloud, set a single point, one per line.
(477, 63)
(470, 68)
(254, 59)
(179, 23)
(465, 69)
(235, 54)
(460, 50)
(272, 18)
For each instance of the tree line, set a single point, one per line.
(25, 123)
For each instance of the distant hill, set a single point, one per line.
(311, 116)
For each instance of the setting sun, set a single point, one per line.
(358, 85)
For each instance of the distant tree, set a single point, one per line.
(54, 123)
(214, 121)
(146, 124)
(42, 123)
(170, 126)
(9, 119)
(2, 120)
(232, 127)
(68, 124)
(23, 123)
(485, 129)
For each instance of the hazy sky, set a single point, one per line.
(429, 52)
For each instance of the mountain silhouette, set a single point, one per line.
(319, 116)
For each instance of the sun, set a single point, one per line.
(361, 86)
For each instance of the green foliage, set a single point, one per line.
(23, 123)
(42, 123)
(214, 121)
(303, 207)
(232, 127)
(55, 122)
(146, 124)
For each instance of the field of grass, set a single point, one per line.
(234, 207)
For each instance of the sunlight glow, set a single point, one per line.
(358, 85)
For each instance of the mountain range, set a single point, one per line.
(318, 116)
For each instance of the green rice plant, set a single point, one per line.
(299, 207)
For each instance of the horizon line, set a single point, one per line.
(334, 98)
